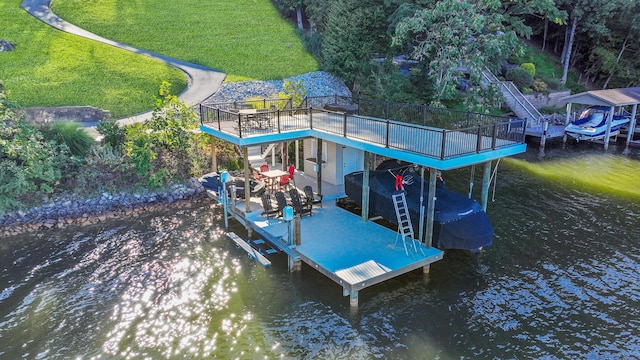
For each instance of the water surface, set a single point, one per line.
(561, 281)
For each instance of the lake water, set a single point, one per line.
(561, 281)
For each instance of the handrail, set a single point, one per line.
(419, 139)
(516, 95)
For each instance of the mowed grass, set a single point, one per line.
(52, 68)
(247, 39)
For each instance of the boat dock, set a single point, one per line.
(348, 248)
(352, 253)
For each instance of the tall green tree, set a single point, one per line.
(355, 30)
(455, 36)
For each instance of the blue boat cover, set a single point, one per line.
(459, 222)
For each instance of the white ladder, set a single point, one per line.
(405, 228)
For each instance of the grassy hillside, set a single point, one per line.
(51, 68)
(247, 39)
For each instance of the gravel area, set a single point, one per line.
(317, 83)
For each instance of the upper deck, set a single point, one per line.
(474, 138)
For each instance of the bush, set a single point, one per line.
(539, 86)
(70, 134)
(113, 134)
(520, 77)
(530, 68)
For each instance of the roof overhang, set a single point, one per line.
(611, 97)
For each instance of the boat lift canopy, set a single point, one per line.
(612, 98)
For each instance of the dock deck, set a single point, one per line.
(353, 253)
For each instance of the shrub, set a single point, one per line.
(70, 134)
(539, 86)
(530, 68)
(520, 77)
(113, 134)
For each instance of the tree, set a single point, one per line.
(355, 30)
(456, 36)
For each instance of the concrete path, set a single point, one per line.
(202, 81)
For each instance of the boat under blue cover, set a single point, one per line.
(459, 222)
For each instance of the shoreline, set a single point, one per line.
(60, 214)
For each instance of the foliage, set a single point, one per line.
(520, 77)
(384, 81)
(164, 147)
(352, 34)
(530, 68)
(29, 165)
(70, 134)
(539, 86)
(452, 36)
(113, 134)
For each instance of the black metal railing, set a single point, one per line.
(467, 132)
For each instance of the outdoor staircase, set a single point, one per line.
(515, 100)
(405, 228)
(258, 157)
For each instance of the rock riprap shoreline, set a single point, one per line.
(71, 211)
(318, 83)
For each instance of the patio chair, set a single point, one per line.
(311, 198)
(256, 176)
(292, 170)
(283, 182)
(267, 205)
(282, 202)
(300, 208)
(264, 167)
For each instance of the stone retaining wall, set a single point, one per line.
(540, 100)
(69, 113)
(66, 212)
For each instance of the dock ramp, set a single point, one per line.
(251, 251)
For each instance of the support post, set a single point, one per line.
(353, 299)
(365, 187)
(297, 146)
(426, 270)
(247, 184)
(431, 208)
(297, 233)
(486, 180)
(214, 154)
(543, 138)
(567, 120)
(632, 128)
(285, 155)
(421, 222)
(319, 164)
(607, 134)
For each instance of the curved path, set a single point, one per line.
(202, 81)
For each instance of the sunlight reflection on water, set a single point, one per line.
(559, 282)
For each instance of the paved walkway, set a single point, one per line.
(202, 81)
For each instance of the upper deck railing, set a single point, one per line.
(467, 133)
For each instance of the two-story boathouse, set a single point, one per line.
(343, 134)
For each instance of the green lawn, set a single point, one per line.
(52, 68)
(247, 39)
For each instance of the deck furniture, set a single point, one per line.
(272, 178)
(311, 197)
(301, 208)
(347, 109)
(268, 206)
(282, 202)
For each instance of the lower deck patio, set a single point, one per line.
(353, 253)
